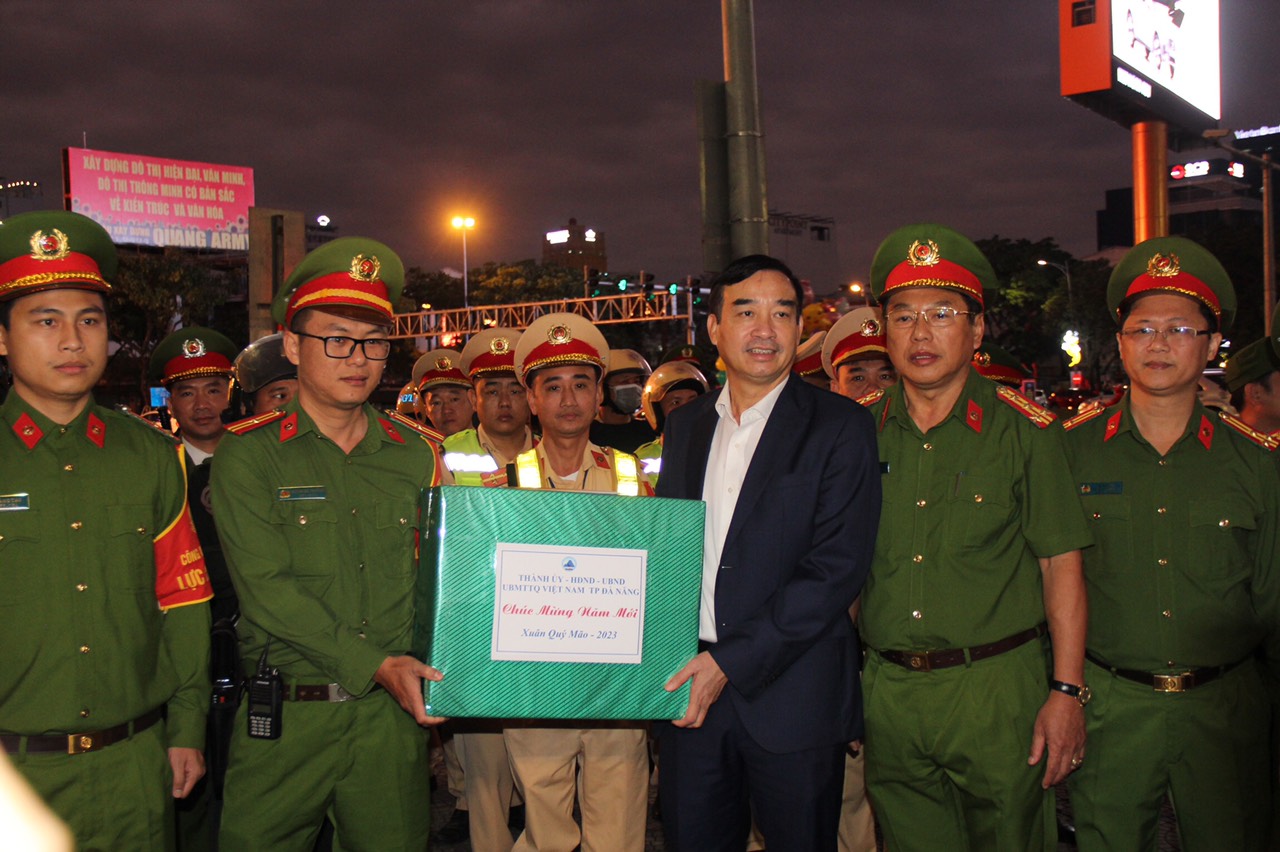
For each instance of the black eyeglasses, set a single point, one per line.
(374, 348)
(937, 317)
(1173, 334)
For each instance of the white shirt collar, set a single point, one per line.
(760, 411)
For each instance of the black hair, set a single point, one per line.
(5, 307)
(1126, 308)
(1237, 395)
(742, 269)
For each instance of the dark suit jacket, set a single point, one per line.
(797, 552)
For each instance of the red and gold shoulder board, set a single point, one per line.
(256, 422)
(409, 423)
(1083, 417)
(1038, 415)
(601, 458)
(1262, 439)
(869, 399)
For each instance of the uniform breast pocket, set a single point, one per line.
(397, 522)
(1219, 537)
(19, 577)
(979, 509)
(1108, 516)
(131, 532)
(310, 527)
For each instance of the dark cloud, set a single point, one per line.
(391, 116)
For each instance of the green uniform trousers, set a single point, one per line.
(1205, 747)
(947, 754)
(362, 763)
(118, 798)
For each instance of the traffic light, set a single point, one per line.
(622, 285)
(673, 288)
(593, 280)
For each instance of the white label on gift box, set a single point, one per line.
(568, 604)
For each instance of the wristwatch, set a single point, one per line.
(1080, 693)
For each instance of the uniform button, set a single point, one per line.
(62, 430)
(364, 622)
(360, 566)
(1162, 562)
(84, 714)
(142, 530)
(302, 519)
(1168, 613)
(1162, 463)
(404, 521)
(928, 446)
(69, 467)
(75, 525)
(918, 558)
(355, 511)
(977, 498)
(1224, 523)
(1169, 663)
(1161, 510)
(920, 503)
(1097, 515)
(81, 587)
(917, 614)
(84, 649)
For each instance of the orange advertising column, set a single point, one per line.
(1150, 180)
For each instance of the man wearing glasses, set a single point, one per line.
(971, 717)
(317, 507)
(1183, 505)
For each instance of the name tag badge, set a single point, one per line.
(15, 502)
(291, 493)
(1094, 488)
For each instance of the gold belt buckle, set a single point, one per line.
(919, 662)
(1169, 683)
(79, 743)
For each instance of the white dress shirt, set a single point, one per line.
(732, 447)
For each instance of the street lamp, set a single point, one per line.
(464, 224)
(1066, 273)
(858, 290)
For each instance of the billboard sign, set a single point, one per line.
(152, 201)
(1144, 60)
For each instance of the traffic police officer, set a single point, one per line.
(265, 377)
(317, 507)
(482, 784)
(443, 391)
(854, 357)
(104, 629)
(1185, 508)
(561, 360)
(808, 363)
(616, 423)
(977, 549)
(667, 388)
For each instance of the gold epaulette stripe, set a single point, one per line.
(1082, 417)
(255, 422)
(869, 399)
(1042, 417)
(410, 423)
(1262, 439)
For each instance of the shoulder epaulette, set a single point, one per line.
(256, 422)
(136, 418)
(1038, 415)
(409, 423)
(1262, 439)
(869, 399)
(1083, 417)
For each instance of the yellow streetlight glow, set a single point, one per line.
(464, 222)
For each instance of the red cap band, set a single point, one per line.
(1182, 283)
(341, 289)
(26, 272)
(941, 273)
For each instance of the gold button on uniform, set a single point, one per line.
(84, 649)
(302, 519)
(918, 558)
(1224, 523)
(920, 503)
(1162, 562)
(1161, 510)
(75, 525)
(1168, 613)
(928, 446)
(1097, 515)
(84, 714)
(917, 614)
(69, 467)
(977, 498)
(81, 587)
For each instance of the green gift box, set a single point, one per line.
(557, 604)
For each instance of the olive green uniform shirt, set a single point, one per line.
(322, 544)
(1184, 572)
(968, 510)
(84, 642)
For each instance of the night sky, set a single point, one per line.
(392, 116)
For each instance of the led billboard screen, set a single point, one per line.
(1174, 44)
(159, 202)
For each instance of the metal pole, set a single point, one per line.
(1150, 180)
(748, 209)
(1268, 247)
(466, 303)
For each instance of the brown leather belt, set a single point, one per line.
(331, 692)
(924, 661)
(1180, 682)
(82, 742)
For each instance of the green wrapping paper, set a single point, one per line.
(598, 603)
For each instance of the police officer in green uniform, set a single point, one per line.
(265, 378)
(194, 366)
(1184, 504)
(561, 358)
(670, 386)
(1253, 377)
(977, 559)
(317, 507)
(104, 623)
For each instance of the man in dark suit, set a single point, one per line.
(790, 476)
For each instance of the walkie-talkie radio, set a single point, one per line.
(266, 700)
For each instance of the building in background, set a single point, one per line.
(19, 196)
(574, 247)
(807, 244)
